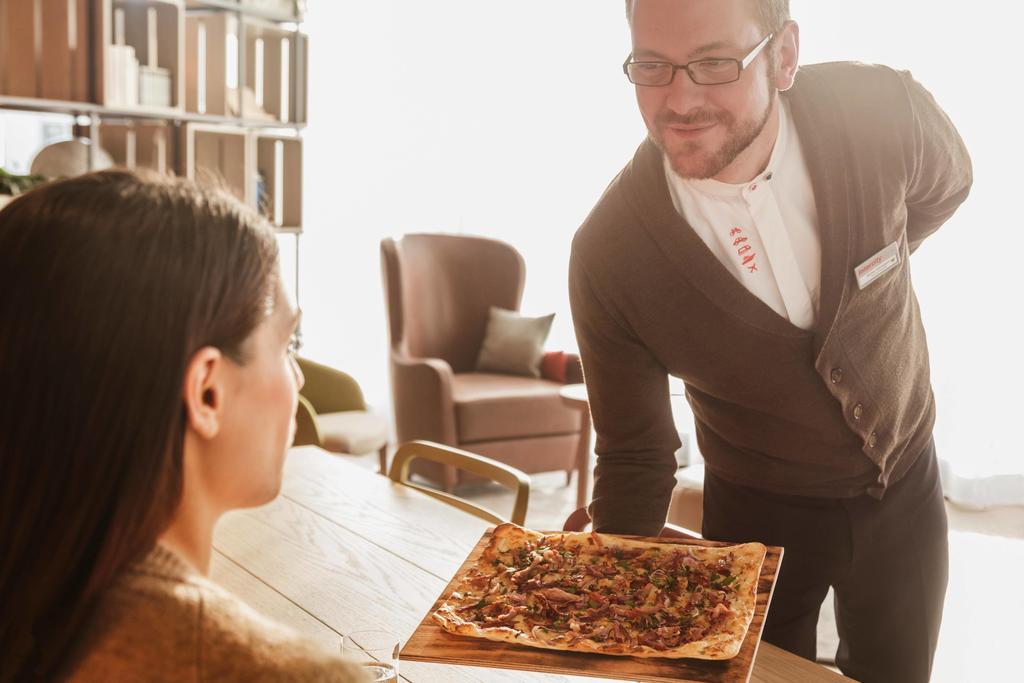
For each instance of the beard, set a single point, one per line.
(691, 159)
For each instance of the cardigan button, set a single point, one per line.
(837, 376)
(858, 411)
(873, 440)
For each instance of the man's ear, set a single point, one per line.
(787, 46)
(204, 392)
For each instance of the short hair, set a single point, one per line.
(771, 14)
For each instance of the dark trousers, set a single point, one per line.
(888, 561)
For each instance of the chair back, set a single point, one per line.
(509, 477)
(579, 520)
(307, 433)
(439, 290)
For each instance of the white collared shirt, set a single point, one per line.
(765, 232)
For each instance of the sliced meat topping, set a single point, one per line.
(559, 595)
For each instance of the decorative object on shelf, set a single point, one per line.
(252, 107)
(11, 184)
(285, 8)
(122, 76)
(155, 87)
(70, 158)
(121, 67)
(262, 198)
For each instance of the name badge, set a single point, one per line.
(878, 265)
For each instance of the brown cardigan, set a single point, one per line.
(164, 622)
(837, 411)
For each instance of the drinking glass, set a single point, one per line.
(375, 649)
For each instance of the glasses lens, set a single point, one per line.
(713, 71)
(649, 73)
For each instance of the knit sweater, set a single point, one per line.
(162, 621)
(836, 411)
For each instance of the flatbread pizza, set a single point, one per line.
(589, 592)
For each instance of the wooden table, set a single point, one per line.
(343, 549)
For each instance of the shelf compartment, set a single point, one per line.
(220, 156)
(139, 144)
(139, 52)
(211, 64)
(278, 188)
(44, 47)
(275, 72)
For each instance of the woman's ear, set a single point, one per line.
(204, 392)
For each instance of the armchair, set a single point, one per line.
(439, 290)
(332, 414)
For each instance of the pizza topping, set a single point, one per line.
(516, 598)
(563, 590)
(720, 611)
(557, 595)
(544, 634)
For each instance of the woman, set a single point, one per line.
(147, 387)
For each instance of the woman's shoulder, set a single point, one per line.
(162, 621)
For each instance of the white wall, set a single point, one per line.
(448, 116)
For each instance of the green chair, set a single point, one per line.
(332, 414)
(507, 476)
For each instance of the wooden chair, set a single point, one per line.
(507, 476)
(580, 519)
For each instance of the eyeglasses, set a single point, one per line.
(716, 71)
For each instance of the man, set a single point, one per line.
(757, 247)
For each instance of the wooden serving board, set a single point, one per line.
(431, 643)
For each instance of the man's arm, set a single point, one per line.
(629, 399)
(941, 173)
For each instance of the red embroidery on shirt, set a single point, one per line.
(743, 250)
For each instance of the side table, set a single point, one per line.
(575, 396)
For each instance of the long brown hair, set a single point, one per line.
(109, 283)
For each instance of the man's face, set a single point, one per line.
(706, 131)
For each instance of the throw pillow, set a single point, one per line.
(552, 366)
(513, 344)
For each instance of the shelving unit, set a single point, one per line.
(44, 49)
(213, 90)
